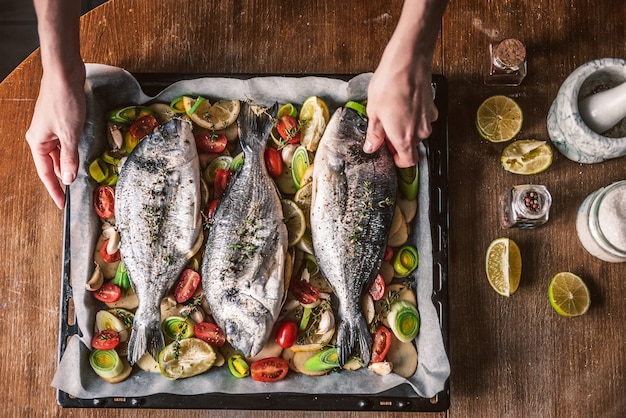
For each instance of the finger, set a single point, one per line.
(407, 158)
(45, 171)
(68, 160)
(375, 136)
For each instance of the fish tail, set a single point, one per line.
(254, 129)
(347, 336)
(145, 338)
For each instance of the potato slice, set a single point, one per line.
(403, 356)
(399, 237)
(270, 349)
(367, 305)
(408, 208)
(397, 220)
(386, 270)
(300, 358)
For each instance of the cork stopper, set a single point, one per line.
(511, 53)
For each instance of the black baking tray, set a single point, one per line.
(401, 398)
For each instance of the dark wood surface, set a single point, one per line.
(510, 357)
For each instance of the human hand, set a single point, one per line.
(56, 128)
(400, 109)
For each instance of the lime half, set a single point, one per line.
(499, 119)
(527, 156)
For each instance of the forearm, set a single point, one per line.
(58, 28)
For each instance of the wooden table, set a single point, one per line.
(510, 357)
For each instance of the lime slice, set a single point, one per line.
(504, 266)
(186, 358)
(287, 109)
(303, 199)
(499, 119)
(527, 156)
(314, 116)
(568, 294)
(220, 115)
(358, 108)
(295, 221)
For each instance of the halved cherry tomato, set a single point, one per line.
(211, 142)
(377, 289)
(109, 258)
(305, 292)
(287, 334)
(210, 209)
(273, 162)
(288, 129)
(107, 339)
(143, 126)
(186, 286)
(222, 177)
(210, 333)
(388, 254)
(270, 369)
(108, 293)
(382, 342)
(104, 201)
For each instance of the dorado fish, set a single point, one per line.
(246, 251)
(157, 213)
(351, 211)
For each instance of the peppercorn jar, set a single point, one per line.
(601, 223)
(525, 206)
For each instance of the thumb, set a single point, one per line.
(375, 136)
(68, 160)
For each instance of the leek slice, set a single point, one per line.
(322, 361)
(299, 163)
(409, 182)
(176, 328)
(106, 363)
(405, 261)
(404, 320)
(238, 366)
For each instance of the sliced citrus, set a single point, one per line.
(287, 109)
(220, 115)
(294, 219)
(303, 198)
(499, 119)
(504, 266)
(185, 358)
(527, 156)
(569, 295)
(314, 116)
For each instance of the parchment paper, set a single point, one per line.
(108, 87)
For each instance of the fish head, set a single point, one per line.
(248, 326)
(347, 127)
(173, 142)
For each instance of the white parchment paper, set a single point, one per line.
(109, 87)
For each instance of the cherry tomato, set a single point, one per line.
(108, 293)
(107, 339)
(143, 126)
(210, 333)
(270, 369)
(305, 292)
(109, 258)
(210, 209)
(211, 142)
(382, 342)
(288, 129)
(222, 177)
(377, 289)
(388, 254)
(104, 201)
(287, 334)
(273, 162)
(186, 286)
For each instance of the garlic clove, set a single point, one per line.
(327, 322)
(381, 368)
(96, 281)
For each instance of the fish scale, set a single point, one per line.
(157, 213)
(351, 212)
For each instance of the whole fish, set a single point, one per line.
(351, 211)
(244, 261)
(157, 213)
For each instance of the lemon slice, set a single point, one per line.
(185, 358)
(527, 156)
(303, 199)
(568, 294)
(294, 219)
(220, 115)
(499, 119)
(314, 116)
(504, 266)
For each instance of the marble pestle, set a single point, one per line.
(603, 110)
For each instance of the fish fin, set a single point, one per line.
(347, 336)
(145, 338)
(365, 340)
(254, 129)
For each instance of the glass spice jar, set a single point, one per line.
(507, 64)
(601, 223)
(525, 206)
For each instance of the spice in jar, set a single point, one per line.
(601, 223)
(507, 64)
(525, 206)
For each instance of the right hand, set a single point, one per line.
(56, 128)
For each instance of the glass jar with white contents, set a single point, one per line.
(601, 223)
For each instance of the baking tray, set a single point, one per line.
(400, 398)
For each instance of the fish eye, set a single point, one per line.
(361, 125)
